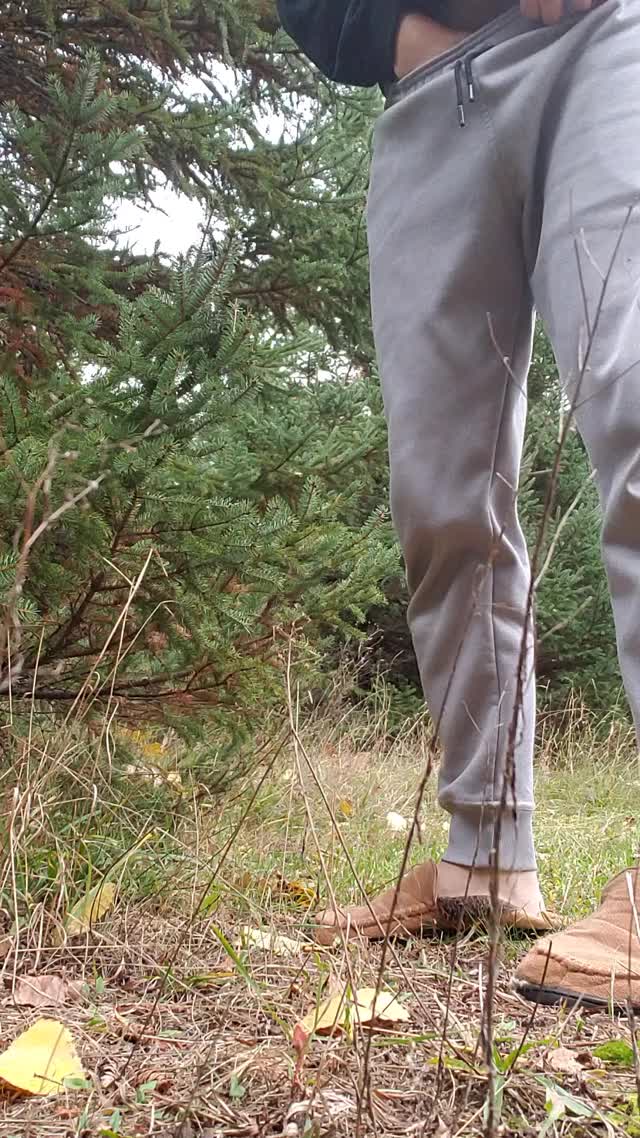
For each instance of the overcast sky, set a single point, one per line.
(174, 223)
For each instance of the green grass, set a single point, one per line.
(312, 814)
(587, 823)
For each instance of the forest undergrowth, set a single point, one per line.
(169, 930)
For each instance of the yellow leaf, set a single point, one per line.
(39, 1060)
(300, 892)
(270, 942)
(382, 1006)
(344, 1011)
(152, 750)
(328, 1015)
(345, 807)
(90, 908)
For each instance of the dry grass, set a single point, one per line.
(184, 1031)
(216, 1051)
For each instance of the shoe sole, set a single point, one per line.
(326, 936)
(454, 916)
(553, 997)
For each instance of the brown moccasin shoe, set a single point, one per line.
(596, 962)
(419, 909)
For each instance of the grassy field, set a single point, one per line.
(183, 1006)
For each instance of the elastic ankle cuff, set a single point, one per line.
(472, 837)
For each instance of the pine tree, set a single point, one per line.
(201, 442)
(185, 447)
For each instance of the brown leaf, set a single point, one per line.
(43, 991)
(564, 1061)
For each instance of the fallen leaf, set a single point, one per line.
(382, 1006)
(300, 892)
(40, 1060)
(345, 807)
(343, 1011)
(42, 991)
(563, 1060)
(270, 942)
(397, 823)
(90, 908)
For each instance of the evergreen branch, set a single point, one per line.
(45, 206)
(63, 632)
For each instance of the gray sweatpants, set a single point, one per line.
(533, 204)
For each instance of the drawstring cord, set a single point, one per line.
(464, 78)
(459, 73)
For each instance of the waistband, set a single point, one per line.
(501, 28)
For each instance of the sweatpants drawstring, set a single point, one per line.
(459, 73)
(464, 77)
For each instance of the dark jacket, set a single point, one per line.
(351, 41)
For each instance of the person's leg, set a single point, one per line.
(586, 284)
(450, 298)
(452, 315)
